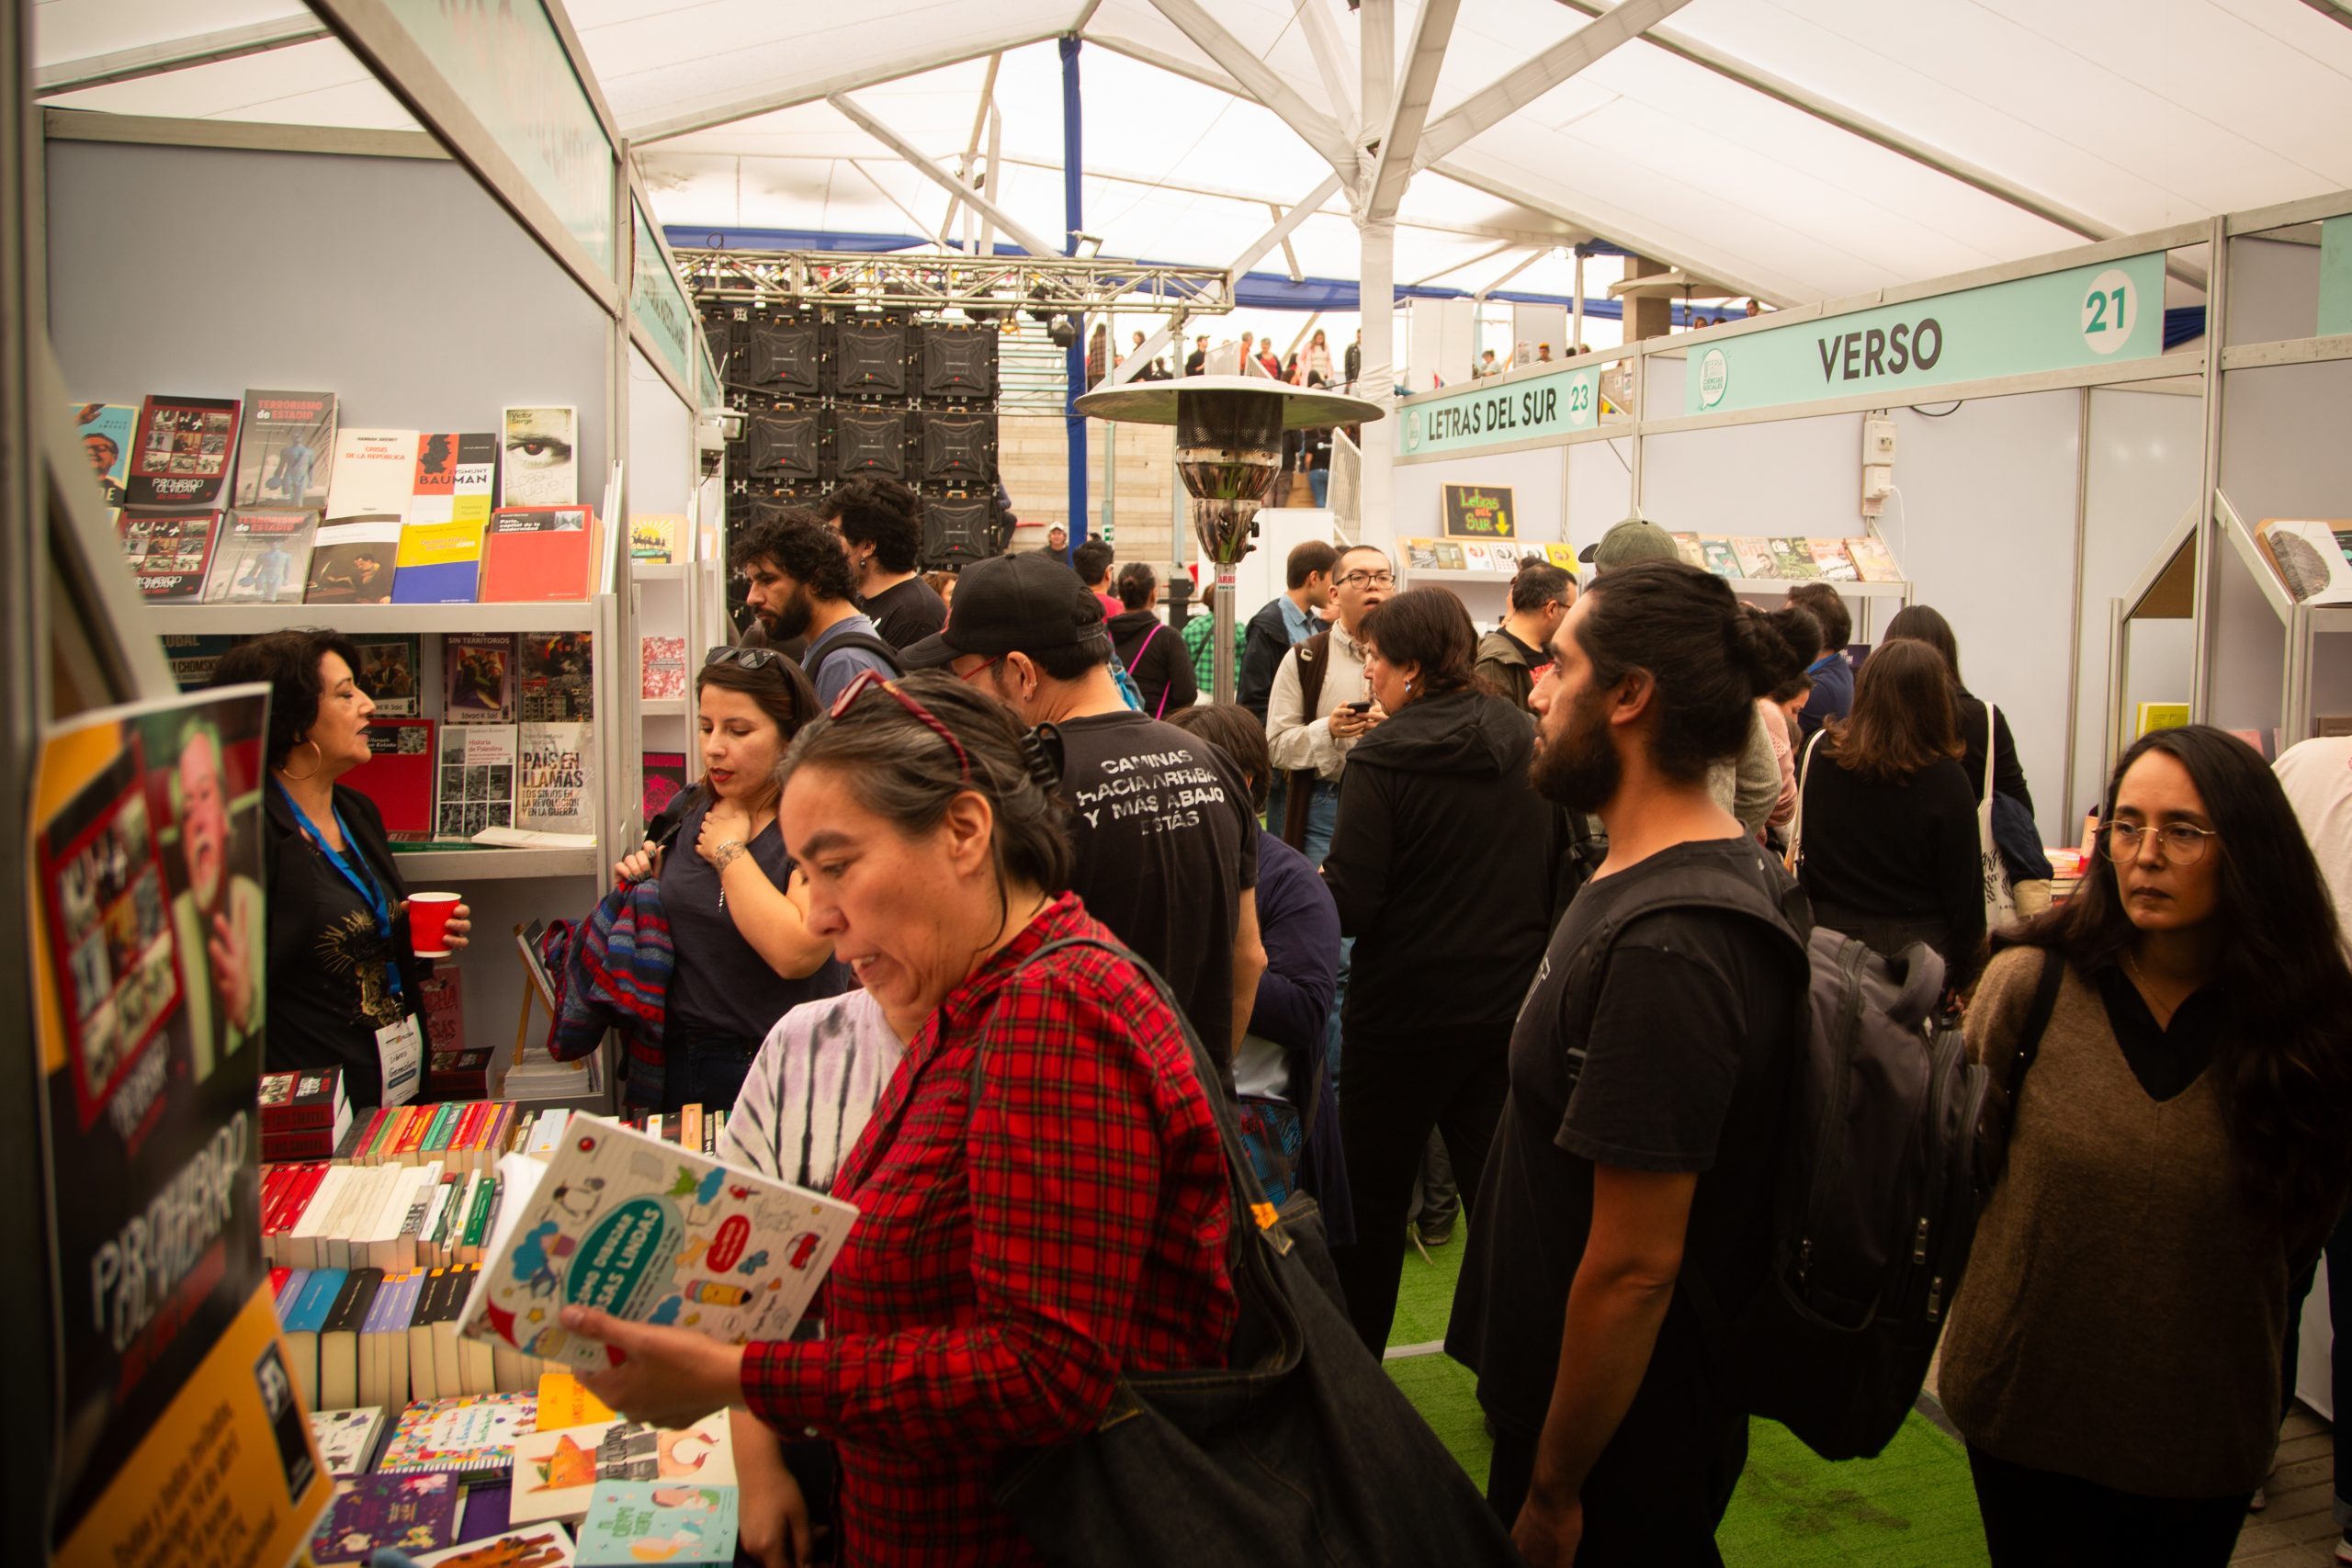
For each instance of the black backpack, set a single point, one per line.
(1874, 1205)
(865, 640)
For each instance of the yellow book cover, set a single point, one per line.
(656, 535)
(2161, 715)
(439, 563)
(564, 1404)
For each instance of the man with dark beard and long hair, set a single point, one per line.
(796, 580)
(1647, 1068)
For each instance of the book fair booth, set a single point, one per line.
(2083, 460)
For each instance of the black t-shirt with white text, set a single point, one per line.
(1688, 1053)
(1166, 845)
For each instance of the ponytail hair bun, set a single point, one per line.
(1770, 646)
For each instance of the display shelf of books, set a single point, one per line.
(564, 615)
(2303, 567)
(672, 595)
(421, 863)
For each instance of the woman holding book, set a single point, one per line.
(344, 987)
(1043, 1194)
(2175, 1152)
(738, 913)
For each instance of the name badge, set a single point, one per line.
(400, 1049)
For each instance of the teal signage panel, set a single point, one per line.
(2099, 315)
(508, 63)
(658, 303)
(1488, 415)
(2336, 276)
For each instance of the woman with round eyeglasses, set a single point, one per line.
(2175, 1151)
(738, 913)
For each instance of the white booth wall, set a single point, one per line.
(2145, 453)
(1600, 489)
(395, 283)
(660, 441)
(1535, 478)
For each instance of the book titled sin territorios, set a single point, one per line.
(653, 1232)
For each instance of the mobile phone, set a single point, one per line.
(1365, 706)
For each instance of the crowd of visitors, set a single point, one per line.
(989, 922)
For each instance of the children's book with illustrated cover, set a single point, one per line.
(1717, 556)
(1874, 562)
(375, 474)
(263, 559)
(1830, 555)
(353, 560)
(556, 1471)
(551, 792)
(1792, 559)
(655, 1234)
(182, 452)
(457, 475)
(476, 787)
(347, 1439)
(414, 1513)
(564, 1402)
(558, 685)
(170, 552)
(663, 668)
(478, 678)
(389, 672)
(289, 451)
(535, 1546)
(630, 1522)
(472, 1434)
(106, 432)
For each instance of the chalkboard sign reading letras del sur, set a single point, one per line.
(1479, 511)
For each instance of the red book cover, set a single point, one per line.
(169, 552)
(537, 554)
(182, 452)
(398, 775)
(444, 1010)
(298, 1101)
(301, 1142)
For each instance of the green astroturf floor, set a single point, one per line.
(1913, 1507)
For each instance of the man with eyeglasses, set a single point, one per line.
(797, 582)
(1320, 707)
(1162, 822)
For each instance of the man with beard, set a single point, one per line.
(797, 580)
(218, 917)
(1628, 1190)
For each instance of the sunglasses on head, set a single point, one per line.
(742, 658)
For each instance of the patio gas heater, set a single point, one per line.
(1228, 448)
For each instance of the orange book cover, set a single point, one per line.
(533, 555)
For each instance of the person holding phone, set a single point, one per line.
(738, 913)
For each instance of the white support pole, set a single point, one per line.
(1410, 114)
(1304, 208)
(1376, 64)
(987, 245)
(964, 170)
(1019, 232)
(1330, 63)
(1575, 325)
(1377, 381)
(1290, 253)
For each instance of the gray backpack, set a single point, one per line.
(1875, 1199)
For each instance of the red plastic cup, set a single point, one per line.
(428, 920)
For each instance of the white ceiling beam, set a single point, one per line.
(1642, 244)
(1376, 64)
(937, 237)
(175, 54)
(1290, 254)
(1306, 207)
(1469, 261)
(1488, 107)
(1331, 63)
(1313, 127)
(964, 170)
(1191, 70)
(1903, 144)
(1019, 232)
(916, 61)
(987, 247)
(1517, 267)
(1398, 143)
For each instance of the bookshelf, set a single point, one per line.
(447, 863)
(2307, 678)
(569, 615)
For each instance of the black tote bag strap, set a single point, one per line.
(1246, 1199)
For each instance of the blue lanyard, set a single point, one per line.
(355, 871)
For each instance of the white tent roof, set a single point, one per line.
(1794, 148)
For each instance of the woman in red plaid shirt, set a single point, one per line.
(1014, 1254)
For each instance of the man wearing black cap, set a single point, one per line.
(1161, 821)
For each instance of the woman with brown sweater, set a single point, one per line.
(2177, 1147)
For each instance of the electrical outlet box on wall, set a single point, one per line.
(1878, 441)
